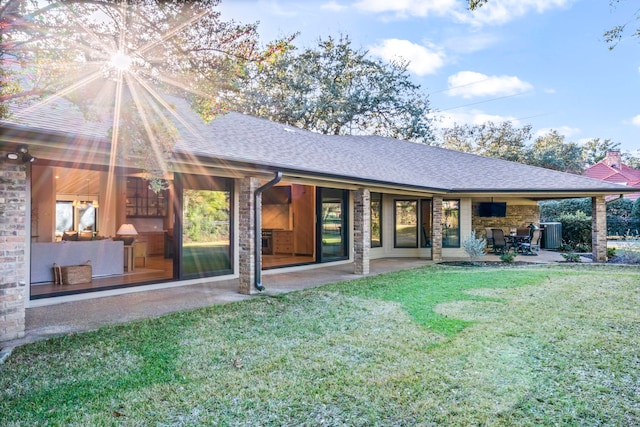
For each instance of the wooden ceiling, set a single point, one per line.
(76, 182)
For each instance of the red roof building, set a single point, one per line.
(611, 169)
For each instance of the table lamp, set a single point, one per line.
(128, 233)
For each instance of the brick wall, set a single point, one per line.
(246, 234)
(599, 229)
(436, 247)
(13, 247)
(362, 231)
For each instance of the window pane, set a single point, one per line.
(64, 217)
(206, 230)
(425, 221)
(333, 225)
(376, 220)
(406, 223)
(451, 224)
(87, 218)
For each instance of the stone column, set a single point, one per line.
(14, 205)
(246, 234)
(599, 229)
(362, 230)
(436, 238)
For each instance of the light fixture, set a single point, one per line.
(82, 204)
(23, 154)
(128, 233)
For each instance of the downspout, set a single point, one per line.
(257, 226)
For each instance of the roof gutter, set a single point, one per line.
(257, 226)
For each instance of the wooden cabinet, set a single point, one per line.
(144, 202)
(283, 242)
(303, 213)
(154, 241)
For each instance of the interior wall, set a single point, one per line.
(43, 207)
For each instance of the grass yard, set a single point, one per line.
(546, 345)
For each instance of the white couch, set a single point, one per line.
(106, 256)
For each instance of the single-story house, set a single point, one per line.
(245, 195)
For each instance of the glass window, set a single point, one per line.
(333, 224)
(376, 220)
(425, 222)
(87, 218)
(451, 224)
(206, 226)
(64, 217)
(406, 222)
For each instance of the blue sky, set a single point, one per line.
(538, 62)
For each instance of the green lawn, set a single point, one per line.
(547, 345)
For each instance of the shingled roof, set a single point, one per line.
(244, 139)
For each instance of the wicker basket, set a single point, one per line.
(72, 274)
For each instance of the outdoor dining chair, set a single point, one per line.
(499, 241)
(527, 247)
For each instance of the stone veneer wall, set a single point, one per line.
(517, 216)
(436, 247)
(362, 231)
(599, 229)
(246, 235)
(13, 247)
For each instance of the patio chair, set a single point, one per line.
(528, 247)
(499, 241)
(489, 237)
(523, 233)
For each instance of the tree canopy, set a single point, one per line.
(337, 89)
(508, 142)
(100, 51)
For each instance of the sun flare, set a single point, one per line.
(120, 61)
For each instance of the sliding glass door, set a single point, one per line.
(206, 214)
(332, 210)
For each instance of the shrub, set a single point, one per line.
(474, 246)
(576, 228)
(629, 256)
(582, 247)
(611, 252)
(571, 257)
(508, 257)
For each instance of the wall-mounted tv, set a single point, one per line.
(497, 209)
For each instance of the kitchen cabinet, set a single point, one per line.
(154, 241)
(144, 202)
(283, 242)
(303, 218)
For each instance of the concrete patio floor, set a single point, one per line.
(69, 317)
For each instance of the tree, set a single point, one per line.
(336, 89)
(80, 50)
(596, 150)
(552, 152)
(502, 141)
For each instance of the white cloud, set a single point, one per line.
(636, 120)
(333, 6)
(469, 84)
(498, 12)
(471, 117)
(422, 59)
(407, 8)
